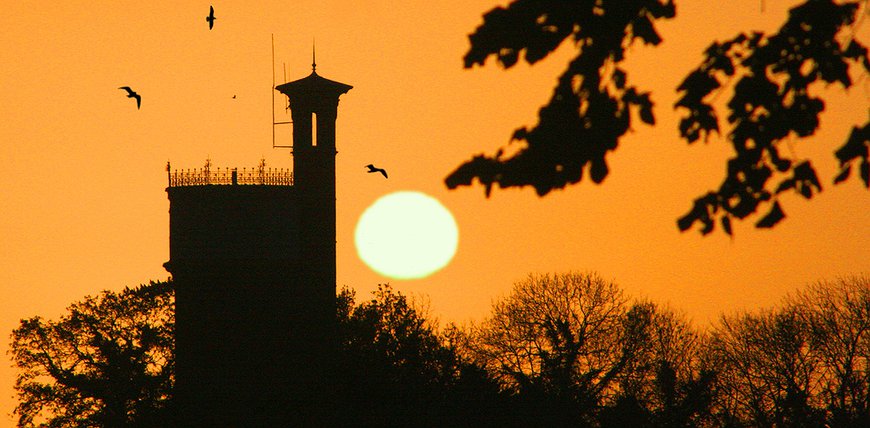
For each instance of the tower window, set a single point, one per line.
(314, 129)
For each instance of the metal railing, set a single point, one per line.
(229, 176)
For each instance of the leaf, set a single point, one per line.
(697, 85)
(708, 226)
(686, 221)
(782, 165)
(843, 175)
(643, 28)
(618, 78)
(773, 217)
(784, 185)
(807, 178)
(726, 224)
(646, 113)
(856, 145)
(855, 50)
(865, 172)
(700, 212)
(598, 170)
(520, 134)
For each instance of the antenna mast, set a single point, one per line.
(273, 100)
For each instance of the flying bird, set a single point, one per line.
(210, 18)
(133, 94)
(373, 169)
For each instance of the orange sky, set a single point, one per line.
(84, 206)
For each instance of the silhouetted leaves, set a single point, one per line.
(590, 107)
(773, 217)
(806, 179)
(843, 175)
(769, 103)
(769, 78)
(726, 224)
(857, 146)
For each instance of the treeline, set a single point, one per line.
(560, 350)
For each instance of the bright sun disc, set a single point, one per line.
(406, 235)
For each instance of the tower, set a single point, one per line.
(252, 256)
(313, 102)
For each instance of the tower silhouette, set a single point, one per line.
(252, 256)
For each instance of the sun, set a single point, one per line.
(406, 235)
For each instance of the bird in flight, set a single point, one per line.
(210, 18)
(133, 94)
(373, 169)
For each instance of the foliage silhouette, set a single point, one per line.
(774, 77)
(771, 103)
(107, 362)
(561, 350)
(590, 107)
(805, 364)
(397, 370)
(570, 348)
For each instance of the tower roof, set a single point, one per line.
(315, 85)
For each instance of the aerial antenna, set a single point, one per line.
(313, 57)
(273, 99)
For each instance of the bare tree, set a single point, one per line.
(805, 364)
(555, 330)
(838, 314)
(574, 343)
(665, 384)
(768, 370)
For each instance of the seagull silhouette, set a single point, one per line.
(210, 18)
(373, 169)
(132, 94)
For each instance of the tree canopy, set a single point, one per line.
(803, 364)
(397, 369)
(573, 349)
(568, 349)
(771, 80)
(108, 362)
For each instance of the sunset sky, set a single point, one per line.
(84, 206)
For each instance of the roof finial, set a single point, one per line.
(313, 57)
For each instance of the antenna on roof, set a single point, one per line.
(313, 51)
(273, 100)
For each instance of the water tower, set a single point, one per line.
(252, 256)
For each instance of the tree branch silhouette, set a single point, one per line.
(772, 101)
(590, 107)
(590, 110)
